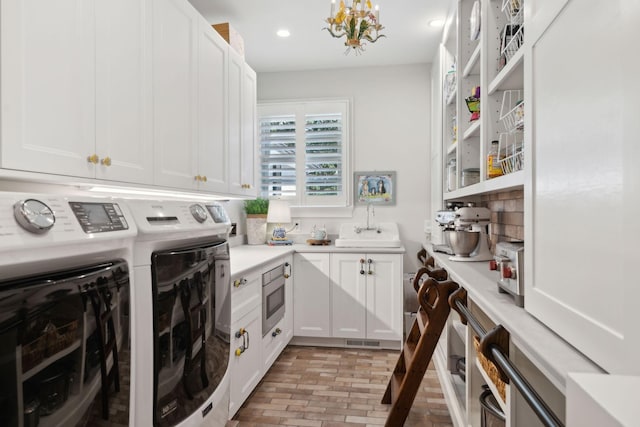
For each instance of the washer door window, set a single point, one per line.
(64, 346)
(191, 328)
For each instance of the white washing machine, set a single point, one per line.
(65, 310)
(181, 271)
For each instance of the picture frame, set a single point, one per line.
(374, 187)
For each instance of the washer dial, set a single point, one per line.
(198, 212)
(34, 216)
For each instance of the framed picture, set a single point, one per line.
(374, 187)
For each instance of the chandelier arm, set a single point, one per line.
(334, 34)
(372, 40)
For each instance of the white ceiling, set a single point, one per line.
(409, 38)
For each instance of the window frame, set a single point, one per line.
(303, 205)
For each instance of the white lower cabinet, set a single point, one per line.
(252, 353)
(312, 295)
(348, 295)
(246, 361)
(246, 333)
(366, 296)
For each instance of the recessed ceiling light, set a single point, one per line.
(283, 33)
(436, 23)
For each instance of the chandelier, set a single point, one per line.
(357, 23)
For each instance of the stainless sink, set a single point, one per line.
(382, 235)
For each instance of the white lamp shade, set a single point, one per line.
(279, 212)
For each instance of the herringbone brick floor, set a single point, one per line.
(330, 387)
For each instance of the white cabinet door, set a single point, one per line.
(288, 299)
(123, 91)
(234, 111)
(249, 154)
(384, 297)
(312, 295)
(366, 296)
(246, 359)
(212, 101)
(242, 115)
(48, 85)
(175, 62)
(348, 295)
(583, 198)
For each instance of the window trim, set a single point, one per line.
(288, 106)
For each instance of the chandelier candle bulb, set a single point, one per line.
(377, 13)
(333, 8)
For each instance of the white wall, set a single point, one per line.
(391, 128)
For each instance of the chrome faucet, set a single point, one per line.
(371, 209)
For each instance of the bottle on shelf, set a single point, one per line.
(494, 168)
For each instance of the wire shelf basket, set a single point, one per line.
(511, 152)
(512, 40)
(512, 111)
(514, 11)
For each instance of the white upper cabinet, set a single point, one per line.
(249, 156)
(48, 86)
(212, 102)
(242, 126)
(75, 88)
(583, 200)
(175, 66)
(134, 91)
(123, 91)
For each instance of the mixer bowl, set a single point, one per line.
(463, 242)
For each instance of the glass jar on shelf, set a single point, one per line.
(451, 175)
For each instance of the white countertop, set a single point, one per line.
(551, 354)
(602, 400)
(248, 257)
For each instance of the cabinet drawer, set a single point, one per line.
(246, 294)
(273, 342)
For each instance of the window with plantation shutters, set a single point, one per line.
(323, 154)
(304, 147)
(278, 156)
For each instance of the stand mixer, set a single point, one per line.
(468, 221)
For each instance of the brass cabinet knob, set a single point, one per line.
(197, 178)
(106, 161)
(204, 178)
(93, 159)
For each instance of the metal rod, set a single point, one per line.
(477, 327)
(544, 413)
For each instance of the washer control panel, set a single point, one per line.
(99, 217)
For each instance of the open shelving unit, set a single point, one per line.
(495, 63)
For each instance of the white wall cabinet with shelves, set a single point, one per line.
(482, 63)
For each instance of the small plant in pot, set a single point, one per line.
(256, 211)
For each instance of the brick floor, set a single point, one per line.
(331, 387)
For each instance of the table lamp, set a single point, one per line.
(279, 213)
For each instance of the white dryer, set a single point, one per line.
(181, 269)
